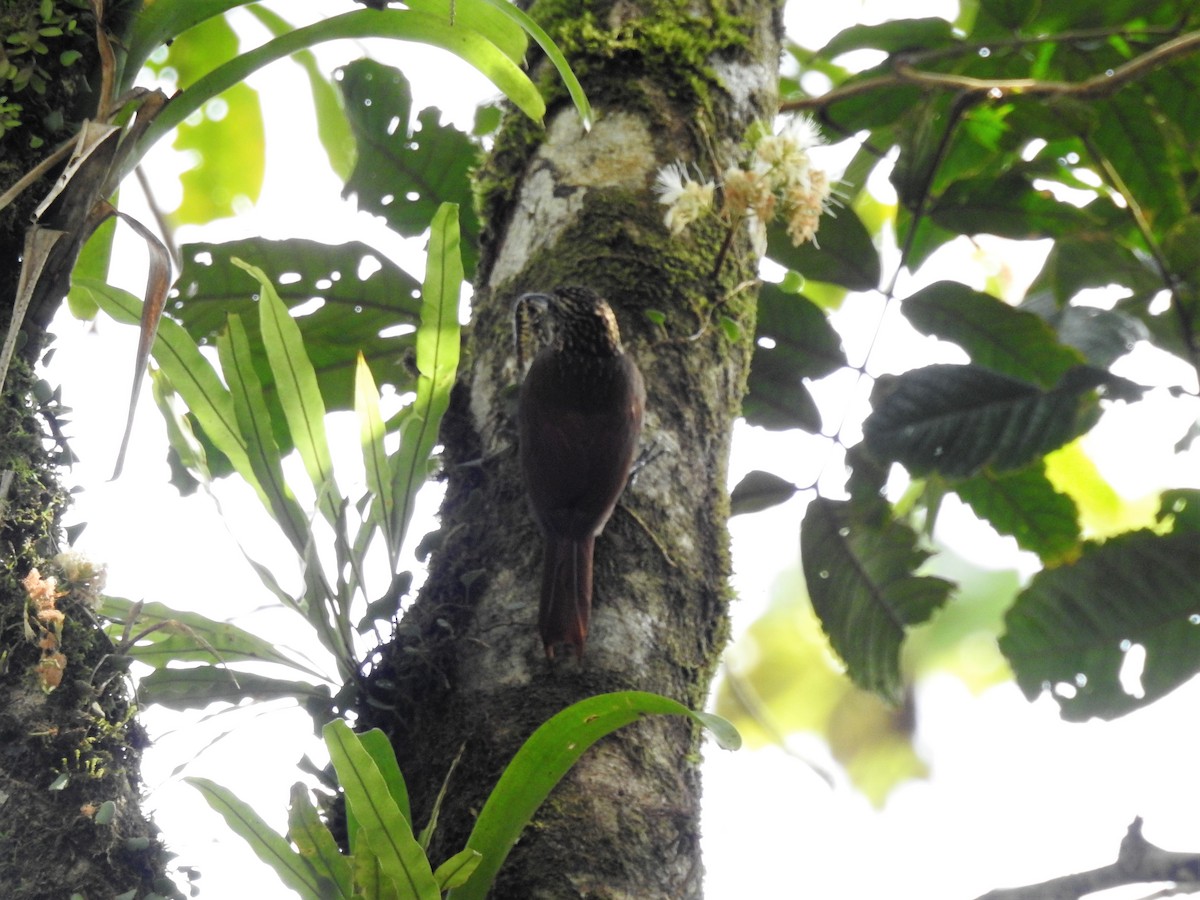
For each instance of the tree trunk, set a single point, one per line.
(70, 815)
(467, 672)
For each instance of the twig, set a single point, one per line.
(1101, 85)
(1138, 862)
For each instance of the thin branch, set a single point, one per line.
(1102, 85)
(1138, 862)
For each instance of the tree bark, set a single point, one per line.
(467, 673)
(70, 814)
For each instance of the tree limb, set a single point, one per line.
(1101, 85)
(1138, 862)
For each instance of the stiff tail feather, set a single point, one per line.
(566, 603)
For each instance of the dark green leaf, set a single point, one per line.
(199, 686)
(895, 36)
(1181, 507)
(1011, 14)
(859, 564)
(1026, 505)
(802, 344)
(776, 398)
(1089, 259)
(1129, 137)
(994, 334)
(1101, 336)
(1008, 206)
(759, 491)
(1070, 630)
(957, 419)
(842, 254)
(405, 172)
(354, 306)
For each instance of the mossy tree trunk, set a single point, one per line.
(669, 81)
(70, 815)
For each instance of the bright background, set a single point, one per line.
(1015, 795)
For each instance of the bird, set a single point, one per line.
(579, 418)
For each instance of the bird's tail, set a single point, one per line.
(566, 603)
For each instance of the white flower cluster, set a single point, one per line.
(778, 178)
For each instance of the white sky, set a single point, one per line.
(1015, 796)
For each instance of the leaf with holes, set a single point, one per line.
(405, 172)
(860, 567)
(1071, 629)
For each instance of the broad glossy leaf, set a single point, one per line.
(406, 169)
(799, 330)
(1026, 505)
(546, 757)
(860, 566)
(1101, 336)
(843, 252)
(957, 419)
(1070, 629)
(777, 399)
(995, 335)
(293, 869)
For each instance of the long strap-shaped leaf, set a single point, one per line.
(189, 373)
(294, 870)
(437, 362)
(254, 423)
(299, 392)
(471, 46)
(375, 459)
(543, 760)
(382, 826)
